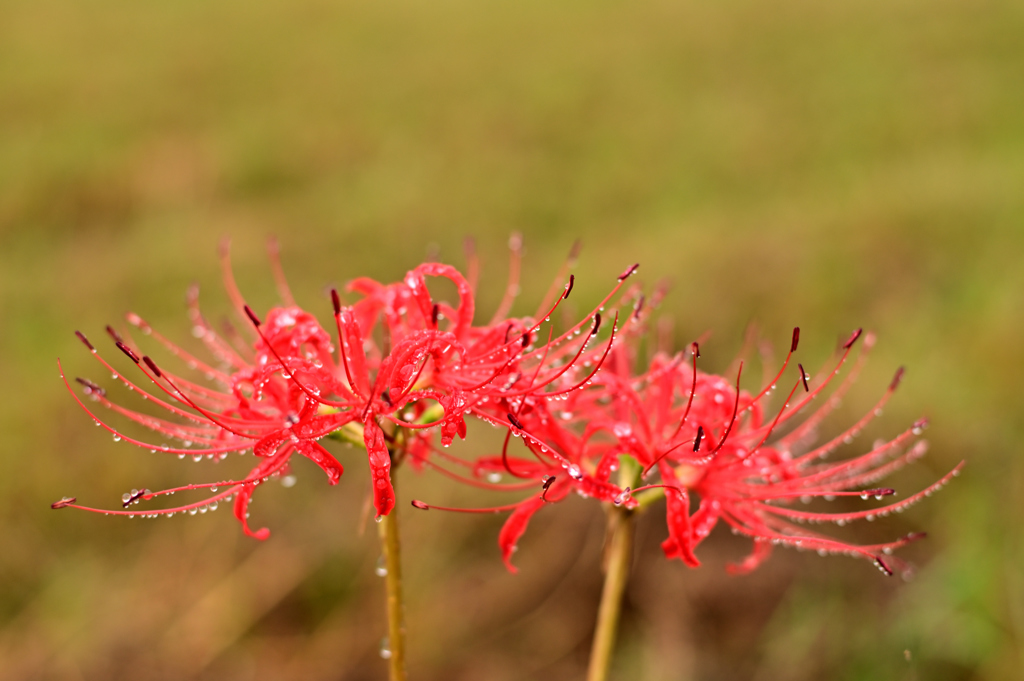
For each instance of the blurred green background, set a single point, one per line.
(828, 165)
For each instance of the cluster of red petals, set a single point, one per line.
(283, 382)
(699, 436)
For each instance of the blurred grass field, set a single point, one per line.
(789, 163)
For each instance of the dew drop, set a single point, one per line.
(381, 569)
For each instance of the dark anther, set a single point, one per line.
(416, 503)
(597, 324)
(697, 440)
(695, 349)
(114, 334)
(526, 339)
(386, 396)
(251, 315)
(508, 331)
(628, 272)
(853, 339)
(879, 492)
(880, 562)
(81, 337)
(574, 252)
(152, 365)
(897, 378)
(803, 377)
(133, 498)
(434, 313)
(91, 388)
(796, 339)
(128, 351)
(639, 306)
(514, 421)
(336, 301)
(568, 287)
(548, 481)
(66, 501)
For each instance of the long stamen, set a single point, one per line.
(735, 409)
(569, 263)
(274, 254)
(424, 506)
(515, 245)
(768, 388)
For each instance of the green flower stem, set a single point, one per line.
(618, 557)
(387, 529)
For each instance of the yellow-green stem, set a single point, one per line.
(618, 557)
(387, 528)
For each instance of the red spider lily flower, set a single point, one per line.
(285, 390)
(707, 438)
(256, 403)
(742, 480)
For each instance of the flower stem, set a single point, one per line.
(387, 528)
(618, 557)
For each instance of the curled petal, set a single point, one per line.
(321, 457)
(380, 467)
(514, 528)
(680, 542)
(762, 549)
